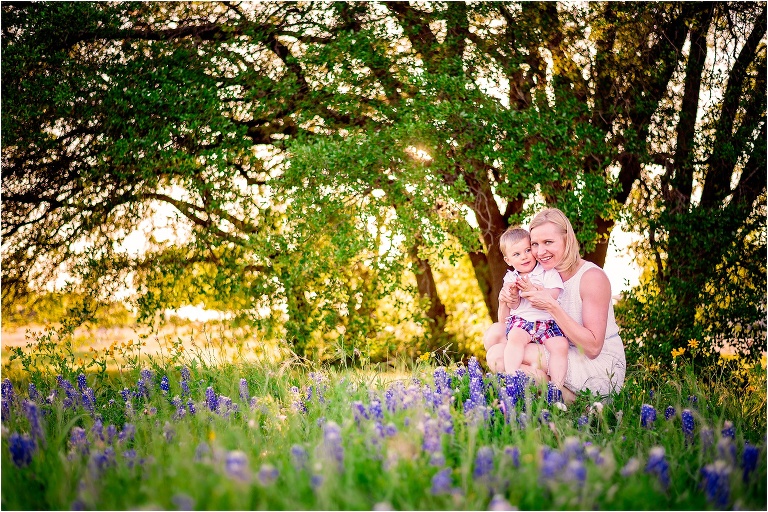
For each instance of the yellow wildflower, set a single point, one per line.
(693, 344)
(425, 356)
(762, 361)
(676, 352)
(211, 435)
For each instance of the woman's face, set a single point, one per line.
(548, 245)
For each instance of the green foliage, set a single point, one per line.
(49, 308)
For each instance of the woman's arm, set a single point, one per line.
(595, 291)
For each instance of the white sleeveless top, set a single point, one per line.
(606, 372)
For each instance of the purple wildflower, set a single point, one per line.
(437, 459)
(749, 460)
(126, 394)
(728, 430)
(184, 387)
(81, 382)
(545, 416)
(445, 419)
(191, 407)
(268, 474)
(647, 416)
(332, 443)
(6, 390)
(111, 433)
(693, 400)
(552, 462)
(147, 375)
(299, 457)
(582, 421)
(658, 465)
(78, 440)
(442, 382)
(716, 483)
(101, 460)
(236, 466)
(726, 450)
(358, 409)
(576, 472)
(669, 413)
(89, 400)
(554, 394)
(499, 502)
(130, 458)
(22, 447)
(483, 462)
(688, 424)
(244, 395)
(513, 452)
(127, 434)
(707, 436)
(202, 451)
(316, 481)
(97, 430)
(431, 441)
(168, 432)
(165, 386)
(374, 409)
(211, 400)
(34, 394)
(522, 420)
(185, 375)
(631, 467)
(183, 502)
(442, 482)
(33, 416)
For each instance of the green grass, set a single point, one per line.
(182, 461)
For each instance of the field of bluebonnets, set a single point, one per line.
(183, 431)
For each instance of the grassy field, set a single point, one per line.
(186, 429)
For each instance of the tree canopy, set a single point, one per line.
(314, 152)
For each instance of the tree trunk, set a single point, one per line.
(436, 313)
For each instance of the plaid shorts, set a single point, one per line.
(540, 330)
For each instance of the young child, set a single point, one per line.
(526, 323)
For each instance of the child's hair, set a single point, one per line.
(511, 236)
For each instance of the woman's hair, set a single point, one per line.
(558, 218)
(511, 236)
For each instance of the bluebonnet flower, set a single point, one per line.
(631, 467)
(35, 424)
(552, 462)
(728, 430)
(374, 409)
(168, 432)
(693, 400)
(647, 416)
(126, 394)
(71, 398)
(390, 429)
(582, 421)
(358, 409)
(244, 395)
(22, 447)
(184, 388)
(298, 404)
(143, 389)
(299, 457)
(513, 452)
(522, 420)
(594, 453)
(483, 462)
(442, 382)
(130, 458)
(211, 400)
(111, 433)
(165, 386)
(78, 440)
(202, 451)
(573, 448)
(658, 465)
(81, 382)
(442, 483)
(147, 375)
(431, 442)
(89, 400)
(545, 416)
(437, 459)
(34, 394)
(319, 386)
(316, 481)
(726, 450)
(6, 390)
(97, 430)
(127, 434)
(688, 424)
(576, 472)
(268, 474)
(191, 407)
(716, 483)
(669, 413)
(445, 419)
(102, 460)
(554, 394)
(707, 436)
(651, 393)
(749, 460)
(183, 501)
(499, 502)
(236, 466)
(185, 375)
(332, 443)
(461, 371)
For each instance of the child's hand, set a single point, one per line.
(525, 285)
(510, 295)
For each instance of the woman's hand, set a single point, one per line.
(537, 295)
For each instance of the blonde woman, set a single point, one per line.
(584, 313)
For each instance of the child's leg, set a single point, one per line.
(494, 356)
(558, 359)
(517, 339)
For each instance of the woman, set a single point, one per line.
(584, 313)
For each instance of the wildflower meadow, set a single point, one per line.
(183, 432)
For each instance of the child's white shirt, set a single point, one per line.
(545, 278)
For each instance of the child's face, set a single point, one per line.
(519, 255)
